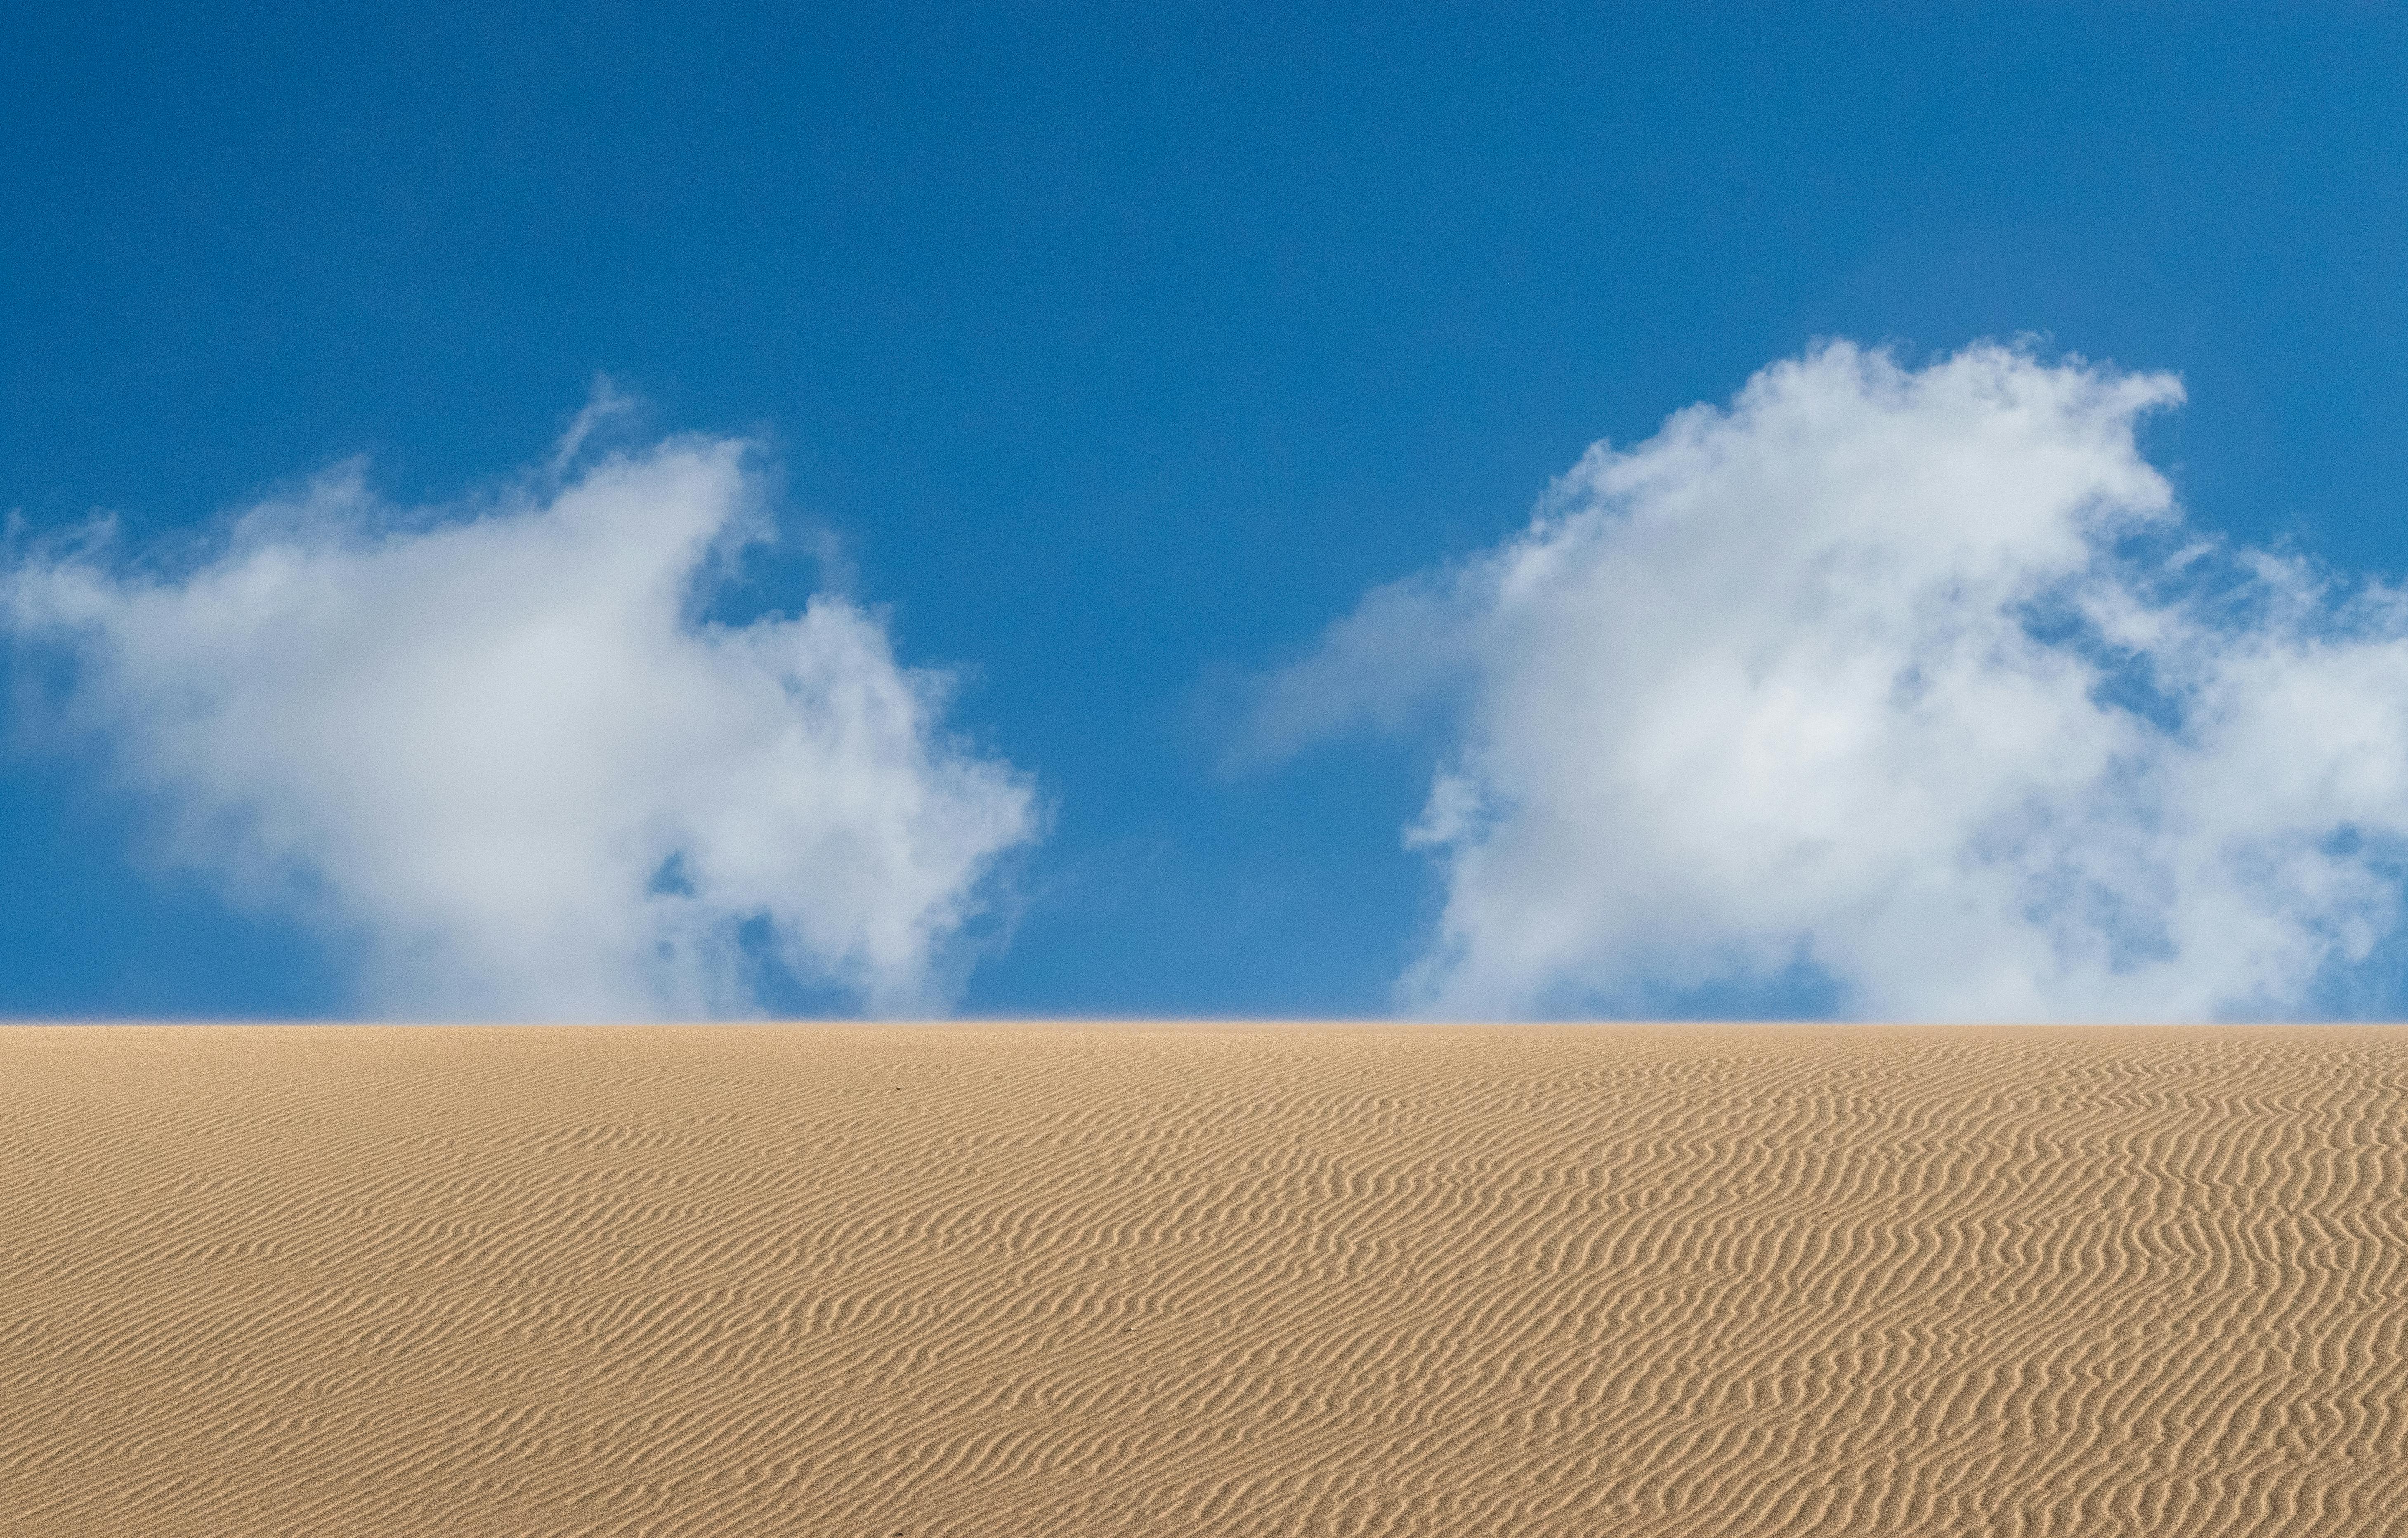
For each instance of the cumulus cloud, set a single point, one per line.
(1908, 682)
(500, 749)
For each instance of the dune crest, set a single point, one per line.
(988, 1281)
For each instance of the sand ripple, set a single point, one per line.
(994, 1282)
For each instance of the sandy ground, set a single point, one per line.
(992, 1282)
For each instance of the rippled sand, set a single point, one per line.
(992, 1282)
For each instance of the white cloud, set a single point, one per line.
(499, 750)
(1906, 678)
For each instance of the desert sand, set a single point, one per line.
(999, 1281)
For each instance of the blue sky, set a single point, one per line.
(1103, 362)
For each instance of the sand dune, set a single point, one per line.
(991, 1282)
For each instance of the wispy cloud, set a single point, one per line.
(1908, 681)
(498, 748)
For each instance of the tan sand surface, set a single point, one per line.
(1004, 1281)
